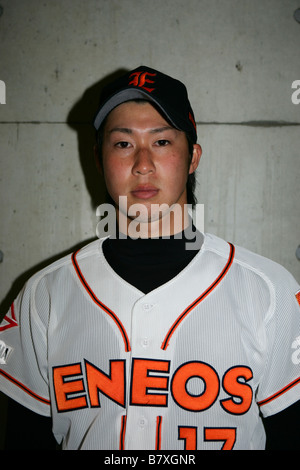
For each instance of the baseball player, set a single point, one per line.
(136, 342)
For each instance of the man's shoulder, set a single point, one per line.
(245, 259)
(63, 264)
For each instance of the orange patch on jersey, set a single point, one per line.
(297, 295)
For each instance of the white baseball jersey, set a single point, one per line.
(187, 366)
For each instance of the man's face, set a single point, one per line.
(144, 158)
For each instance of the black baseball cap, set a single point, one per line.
(167, 93)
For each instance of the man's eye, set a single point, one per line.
(163, 142)
(122, 145)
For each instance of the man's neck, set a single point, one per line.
(170, 222)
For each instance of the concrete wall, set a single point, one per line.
(238, 60)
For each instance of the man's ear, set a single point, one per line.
(197, 152)
(97, 159)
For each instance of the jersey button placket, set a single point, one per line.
(139, 427)
(141, 320)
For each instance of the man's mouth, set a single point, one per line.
(145, 191)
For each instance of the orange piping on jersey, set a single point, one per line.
(100, 304)
(166, 341)
(279, 393)
(297, 295)
(24, 388)
(158, 433)
(11, 320)
(122, 433)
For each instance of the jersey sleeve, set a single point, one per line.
(280, 385)
(23, 350)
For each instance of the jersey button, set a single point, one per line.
(145, 342)
(147, 307)
(142, 422)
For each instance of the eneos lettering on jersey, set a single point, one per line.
(81, 386)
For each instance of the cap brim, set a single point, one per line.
(127, 95)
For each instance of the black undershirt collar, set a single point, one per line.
(147, 263)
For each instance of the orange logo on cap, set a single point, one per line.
(140, 78)
(192, 120)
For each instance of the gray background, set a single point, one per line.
(238, 60)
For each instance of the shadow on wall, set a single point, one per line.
(80, 119)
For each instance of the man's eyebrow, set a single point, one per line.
(161, 129)
(126, 130)
(121, 129)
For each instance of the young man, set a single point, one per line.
(136, 341)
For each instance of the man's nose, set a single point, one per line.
(143, 163)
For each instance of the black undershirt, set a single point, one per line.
(145, 264)
(148, 263)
